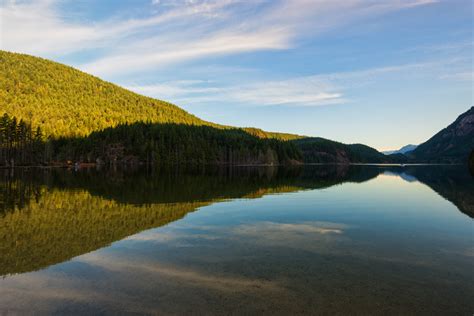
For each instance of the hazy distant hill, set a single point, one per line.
(451, 145)
(404, 150)
(64, 101)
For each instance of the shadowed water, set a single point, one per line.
(313, 239)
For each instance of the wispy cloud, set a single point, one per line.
(173, 52)
(322, 228)
(35, 27)
(38, 27)
(178, 30)
(314, 90)
(303, 91)
(459, 76)
(190, 277)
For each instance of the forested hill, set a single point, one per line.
(173, 144)
(453, 144)
(321, 150)
(66, 102)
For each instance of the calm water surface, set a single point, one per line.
(312, 240)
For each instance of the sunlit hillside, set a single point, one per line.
(64, 101)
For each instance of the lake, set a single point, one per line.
(248, 240)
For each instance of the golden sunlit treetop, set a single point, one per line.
(64, 101)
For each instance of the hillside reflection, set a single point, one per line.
(50, 216)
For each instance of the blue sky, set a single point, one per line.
(383, 73)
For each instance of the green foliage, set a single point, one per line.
(66, 102)
(264, 134)
(175, 144)
(19, 144)
(320, 150)
(364, 154)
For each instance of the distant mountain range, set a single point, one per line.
(403, 150)
(81, 115)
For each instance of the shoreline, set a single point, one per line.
(95, 165)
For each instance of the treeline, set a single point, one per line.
(142, 143)
(175, 144)
(320, 150)
(19, 143)
(171, 144)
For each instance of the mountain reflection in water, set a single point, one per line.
(51, 217)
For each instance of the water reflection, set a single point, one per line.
(320, 239)
(140, 187)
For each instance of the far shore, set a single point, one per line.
(95, 165)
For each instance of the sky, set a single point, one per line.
(385, 73)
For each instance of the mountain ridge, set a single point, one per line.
(70, 105)
(404, 150)
(74, 103)
(321, 150)
(452, 144)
